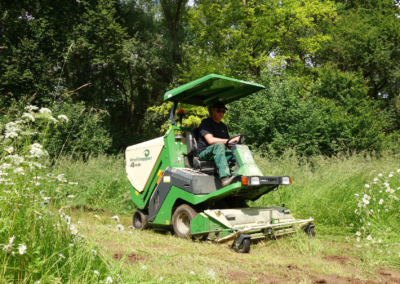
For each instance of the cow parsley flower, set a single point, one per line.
(53, 119)
(30, 108)
(63, 117)
(28, 116)
(45, 110)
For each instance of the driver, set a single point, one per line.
(211, 142)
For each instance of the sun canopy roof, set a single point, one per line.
(211, 88)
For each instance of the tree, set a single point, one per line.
(250, 36)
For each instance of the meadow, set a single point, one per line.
(69, 221)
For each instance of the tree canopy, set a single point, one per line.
(331, 68)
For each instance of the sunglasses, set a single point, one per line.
(220, 110)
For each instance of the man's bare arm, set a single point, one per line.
(212, 140)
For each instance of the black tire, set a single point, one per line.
(244, 247)
(309, 230)
(140, 220)
(181, 220)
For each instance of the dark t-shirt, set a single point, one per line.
(209, 126)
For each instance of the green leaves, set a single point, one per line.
(246, 34)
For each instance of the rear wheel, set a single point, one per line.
(181, 220)
(140, 220)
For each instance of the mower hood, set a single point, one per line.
(211, 88)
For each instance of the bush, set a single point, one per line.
(334, 114)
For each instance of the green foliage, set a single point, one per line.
(333, 115)
(367, 39)
(244, 34)
(193, 114)
(87, 132)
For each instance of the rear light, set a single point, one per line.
(290, 180)
(245, 180)
(160, 176)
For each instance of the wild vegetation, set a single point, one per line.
(82, 80)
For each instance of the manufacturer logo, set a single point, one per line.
(146, 154)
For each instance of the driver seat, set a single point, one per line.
(191, 158)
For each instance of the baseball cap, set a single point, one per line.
(219, 105)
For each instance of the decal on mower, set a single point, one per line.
(167, 179)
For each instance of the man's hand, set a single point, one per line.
(212, 140)
(235, 140)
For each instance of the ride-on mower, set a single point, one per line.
(171, 187)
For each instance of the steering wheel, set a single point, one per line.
(227, 144)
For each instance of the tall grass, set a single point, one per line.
(354, 197)
(102, 182)
(39, 241)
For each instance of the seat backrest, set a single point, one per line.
(191, 140)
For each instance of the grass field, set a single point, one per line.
(328, 189)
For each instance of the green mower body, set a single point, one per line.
(171, 187)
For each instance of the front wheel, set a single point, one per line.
(309, 230)
(181, 220)
(140, 220)
(244, 247)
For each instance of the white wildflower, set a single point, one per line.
(380, 175)
(74, 232)
(31, 107)
(367, 185)
(60, 255)
(11, 240)
(376, 179)
(369, 238)
(22, 249)
(45, 110)
(391, 175)
(109, 280)
(71, 227)
(63, 117)
(191, 272)
(96, 272)
(381, 201)
(120, 228)
(28, 116)
(358, 233)
(358, 239)
(116, 218)
(94, 252)
(53, 119)
(9, 149)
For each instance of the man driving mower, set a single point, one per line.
(211, 142)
